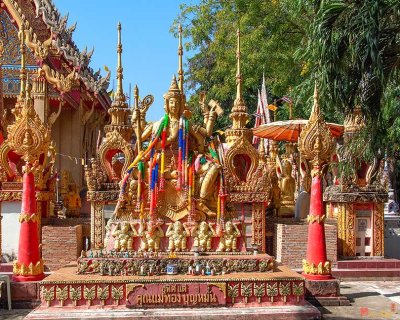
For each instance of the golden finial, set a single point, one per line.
(315, 108)
(239, 94)
(136, 97)
(22, 74)
(316, 138)
(238, 113)
(119, 94)
(180, 55)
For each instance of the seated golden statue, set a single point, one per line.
(275, 194)
(151, 234)
(123, 236)
(288, 188)
(228, 240)
(202, 234)
(207, 174)
(177, 234)
(72, 201)
(176, 207)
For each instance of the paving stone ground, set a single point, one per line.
(376, 300)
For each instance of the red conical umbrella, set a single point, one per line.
(289, 130)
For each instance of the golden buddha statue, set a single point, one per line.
(177, 234)
(151, 234)
(228, 240)
(72, 201)
(123, 236)
(275, 194)
(288, 188)
(202, 234)
(176, 207)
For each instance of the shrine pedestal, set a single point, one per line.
(279, 293)
(325, 292)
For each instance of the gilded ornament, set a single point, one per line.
(311, 218)
(272, 290)
(123, 236)
(259, 291)
(62, 294)
(28, 217)
(48, 294)
(316, 139)
(150, 234)
(31, 270)
(202, 234)
(233, 291)
(320, 269)
(177, 234)
(245, 290)
(89, 294)
(284, 290)
(298, 289)
(75, 294)
(117, 293)
(103, 294)
(228, 239)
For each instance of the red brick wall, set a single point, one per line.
(60, 245)
(290, 243)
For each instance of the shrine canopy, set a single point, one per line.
(289, 130)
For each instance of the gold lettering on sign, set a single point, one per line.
(188, 299)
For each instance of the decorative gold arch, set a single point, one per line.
(114, 141)
(241, 146)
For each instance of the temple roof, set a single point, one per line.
(44, 22)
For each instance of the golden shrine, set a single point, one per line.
(189, 211)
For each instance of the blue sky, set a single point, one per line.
(149, 50)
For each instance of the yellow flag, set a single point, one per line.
(272, 107)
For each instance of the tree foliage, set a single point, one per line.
(350, 47)
(271, 32)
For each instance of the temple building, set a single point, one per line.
(68, 95)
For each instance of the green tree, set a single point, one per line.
(271, 32)
(354, 54)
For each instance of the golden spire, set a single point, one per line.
(239, 94)
(136, 97)
(238, 113)
(316, 141)
(315, 107)
(119, 94)
(22, 74)
(180, 65)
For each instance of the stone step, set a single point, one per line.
(6, 267)
(369, 264)
(367, 273)
(298, 312)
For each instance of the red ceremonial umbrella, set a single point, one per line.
(289, 130)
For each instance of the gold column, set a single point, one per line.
(378, 236)
(40, 95)
(97, 225)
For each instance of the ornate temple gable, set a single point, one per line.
(44, 22)
(9, 38)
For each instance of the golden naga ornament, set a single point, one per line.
(316, 139)
(31, 270)
(320, 269)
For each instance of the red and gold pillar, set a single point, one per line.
(29, 266)
(316, 266)
(316, 145)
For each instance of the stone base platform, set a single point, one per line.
(325, 293)
(300, 312)
(128, 265)
(65, 290)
